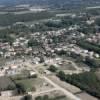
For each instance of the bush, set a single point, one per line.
(52, 68)
(27, 97)
(38, 98)
(20, 88)
(87, 81)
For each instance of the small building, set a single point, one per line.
(32, 73)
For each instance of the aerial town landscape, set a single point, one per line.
(49, 50)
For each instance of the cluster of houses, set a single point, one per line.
(94, 38)
(13, 68)
(72, 48)
(47, 50)
(19, 46)
(67, 42)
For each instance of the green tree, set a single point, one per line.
(38, 98)
(62, 75)
(52, 68)
(27, 97)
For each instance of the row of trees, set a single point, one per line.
(46, 97)
(94, 63)
(53, 68)
(87, 81)
(33, 42)
(5, 36)
(89, 46)
(10, 18)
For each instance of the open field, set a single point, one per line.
(55, 95)
(38, 83)
(66, 66)
(11, 18)
(86, 96)
(2, 61)
(65, 85)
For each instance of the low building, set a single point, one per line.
(32, 73)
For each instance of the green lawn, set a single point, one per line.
(46, 97)
(28, 84)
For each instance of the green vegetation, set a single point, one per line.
(46, 97)
(10, 18)
(5, 36)
(33, 42)
(54, 24)
(68, 21)
(97, 21)
(20, 88)
(6, 84)
(52, 68)
(24, 75)
(87, 81)
(89, 46)
(87, 29)
(25, 85)
(62, 75)
(27, 97)
(94, 63)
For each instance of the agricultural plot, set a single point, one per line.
(64, 65)
(34, 84)
(55, 95)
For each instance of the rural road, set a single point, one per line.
(43, 92)
(67, 93)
